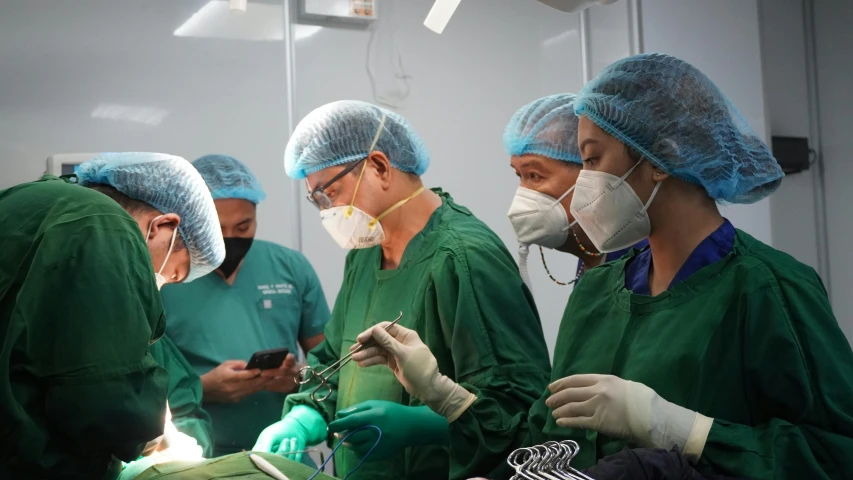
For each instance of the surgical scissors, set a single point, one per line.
(307, 374)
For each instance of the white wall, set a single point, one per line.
(60, 60)
(786, 94)
(834, 38)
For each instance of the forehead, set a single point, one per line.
(537, 161)
(234, 206)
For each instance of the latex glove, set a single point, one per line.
(401, 426)
(402, 350)
(301, 427)
(283, 378)
(629, 410)
(230, 382)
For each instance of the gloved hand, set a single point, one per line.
(416, 368)
(628, 410)
(301, 427)
(401, 426)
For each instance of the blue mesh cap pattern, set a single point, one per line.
(547, 126)
(171, 185)
(675, 117)
(227, 177)
(342, 132)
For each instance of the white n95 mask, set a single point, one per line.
(352, 228)
(539, 219)
(608, 210)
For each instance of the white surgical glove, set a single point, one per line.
(416, 368)
(628, 410)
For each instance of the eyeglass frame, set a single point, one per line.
(318, 195)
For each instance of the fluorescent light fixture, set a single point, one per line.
(261, 22)
(440, 14)
(127, 113)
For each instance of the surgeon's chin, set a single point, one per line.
(571, 247)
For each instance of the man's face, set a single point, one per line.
(237, 217)
(553, 178)
(343, 191)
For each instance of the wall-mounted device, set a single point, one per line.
(345, 13)
(65, 163)
(792, 153)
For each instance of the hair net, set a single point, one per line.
(227, 177)
(547, 126)
(675, 117)
(342, 132)
(171, 185)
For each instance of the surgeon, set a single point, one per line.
(541, 139)
(79, 304)
(418, 253)
(263, 296)
(710, 341)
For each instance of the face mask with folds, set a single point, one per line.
(609, 211)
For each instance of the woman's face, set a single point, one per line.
(601, 152)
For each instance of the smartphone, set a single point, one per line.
(267, 359)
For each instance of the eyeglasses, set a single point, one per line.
(318, 196)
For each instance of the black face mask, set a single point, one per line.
(235, 249)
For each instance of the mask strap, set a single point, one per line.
(651, 197)
(150, 226)
(396, 206)
(169, 253)
(630, 170)
(363, 167)
(563, 196)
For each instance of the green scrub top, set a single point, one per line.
(79, 306)
(749, 340)
(276, 300)
(188, 416)
(459, 288)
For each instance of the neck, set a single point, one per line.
(403, 224)
(591, 262)
(673, 240)
(230, 280)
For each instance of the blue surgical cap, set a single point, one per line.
(547, 126)
(171, 185)
(676, 118)
(227, 177)
(342, 132)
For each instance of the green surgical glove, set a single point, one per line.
(301, 427)
(401, 427)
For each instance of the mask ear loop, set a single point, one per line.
(628, 173)
(396, 206)
(651, 197)
(363, 167)
(169, 253)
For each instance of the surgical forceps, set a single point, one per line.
(307, 374)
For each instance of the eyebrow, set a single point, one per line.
(587, 142)
(530, 163)
(245, 220)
